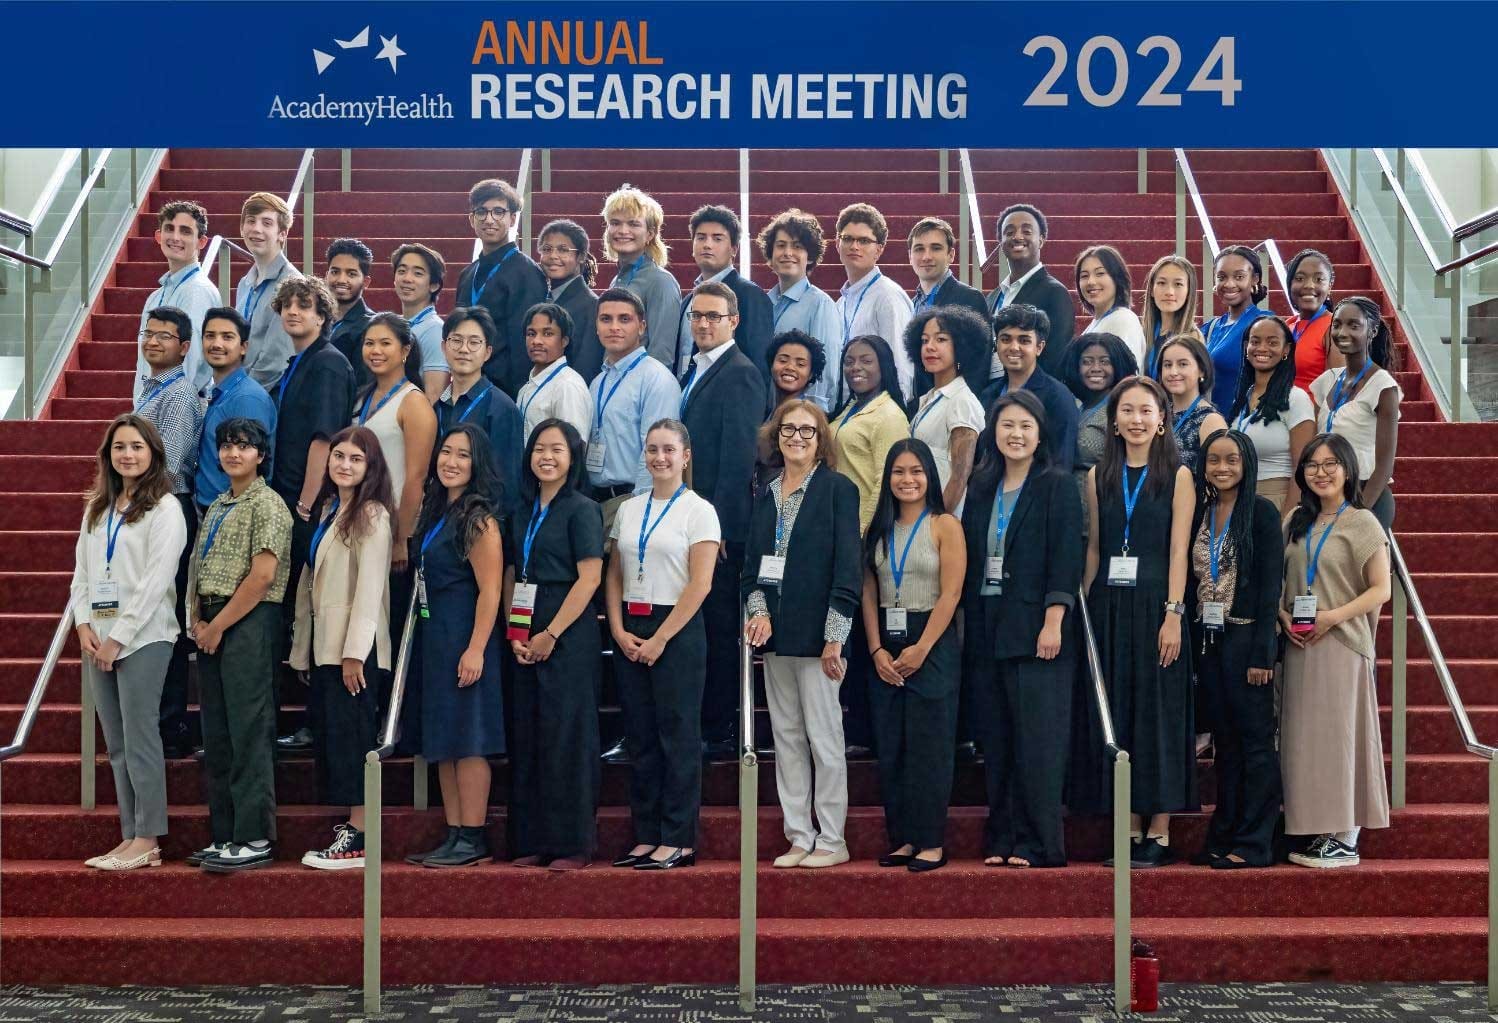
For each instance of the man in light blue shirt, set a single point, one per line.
(231, 395)
(182, 233)
(630, 392)
(792, 245)
(263, 226)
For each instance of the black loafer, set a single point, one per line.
(628, 860)
(616, 754)
(919, 866)
(1223, 863)
(676, 859)
(297, 742)
(896, 859)
(1205, 858)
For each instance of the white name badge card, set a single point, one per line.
(105, 602)
(1214, 615)
(596, 451)
(894, 622)
(771, 569)
(1123, 570)
(1303, 613)
(993, 572)
(637, 596)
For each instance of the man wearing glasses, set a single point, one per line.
(722, 403)
(870, 302)
(182, 233)
(503, 279)
(715, 237)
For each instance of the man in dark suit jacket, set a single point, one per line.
(1021, 235)
(715, 238)
(503, 280)
(932, 246)
(1022, 331)
(722, 403)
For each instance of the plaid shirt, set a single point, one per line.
(171, 403)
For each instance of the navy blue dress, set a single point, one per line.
(456, 722)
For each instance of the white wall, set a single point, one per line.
(1467, 179)
(24, 174)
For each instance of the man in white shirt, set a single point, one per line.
(554, 390)
(792, 244)
(1022, 232)
(871, 303)
(264, 223)
(182, 233)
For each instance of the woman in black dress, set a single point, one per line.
(556, 564)
(1140, 501)
(460, 568)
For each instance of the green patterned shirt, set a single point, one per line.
(255, 521)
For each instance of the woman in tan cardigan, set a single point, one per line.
(341, 642)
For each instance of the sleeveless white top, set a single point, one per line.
(392, 439)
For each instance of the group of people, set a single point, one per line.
(900, 500)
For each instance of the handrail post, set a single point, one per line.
(744, 246)
(28, 328)
(134, 181)
(225, 285)
(943, 156)
(748, 829)
(87, 750)
(1144, 171)
(1122, 895)
(1399, 236)
(347, 185)
(83, 274)
(1454, 380)
(1181, 215)
(309, 193)
(373, 810)
(1398, 715)
(1352, 179)
(546, 170)
(419, 778)
(965, 267)
(1492, 884)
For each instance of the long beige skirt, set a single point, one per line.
(1331, 751)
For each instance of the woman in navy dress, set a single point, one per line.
(461, 567)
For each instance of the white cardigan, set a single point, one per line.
(145, 567)
(348, 595)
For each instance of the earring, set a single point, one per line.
(1161, 431)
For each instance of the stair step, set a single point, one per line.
(20, 474)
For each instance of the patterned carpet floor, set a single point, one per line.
(1249, 1003)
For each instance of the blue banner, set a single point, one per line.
(732, 74)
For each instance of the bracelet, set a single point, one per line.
(876, 651)
(554, 637)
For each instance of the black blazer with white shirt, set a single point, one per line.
(1043, 557)
(756, 320)
(1048, 294)
(723, 412)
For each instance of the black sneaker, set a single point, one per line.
(346, 852)
(1327, 853)
(1133, 849)
(1151, 853)
(239, 857)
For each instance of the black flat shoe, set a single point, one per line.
(1205, 858)
(676, 859)
(919, 866)
(616, 754)
(628, 860)
(1223, 863)
(896, 859)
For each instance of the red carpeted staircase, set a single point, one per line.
(1411, 912)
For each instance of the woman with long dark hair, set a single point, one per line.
(1140, 501)
(1024, 566)
(341, 640)
(1311, 276)
(914, 559)
(556, 564)
(1092, 364)
(1106, 290)
(123, 605)
(872, 419)
(1237, 558)
(946, 342)
(1336, 581)
(460, 572)
(1271, 411)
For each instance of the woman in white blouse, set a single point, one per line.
(122, 602)
(1106, 289)
(1271, 411)
(1360, 400)
(943, 341)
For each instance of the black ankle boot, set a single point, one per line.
(445, 847)
(470, 847)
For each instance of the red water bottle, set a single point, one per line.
(1144, 979)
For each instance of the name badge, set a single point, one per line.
(1214, 615)
(105, 602)
(771, 569)
(1303, 613)
(993, 572)
(894, 622)
(421, 593)
(522, 607)
(637, 597)
(1123, 570)
(596, 450)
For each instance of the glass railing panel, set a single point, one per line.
(108, 208)
(1480, 308)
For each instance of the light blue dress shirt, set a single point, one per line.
(807, 307)
(646, 393)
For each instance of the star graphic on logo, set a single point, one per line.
(390, 51)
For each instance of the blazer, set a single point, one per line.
(756, 321)
(823, 563)
(585, 353)
(954, 292)
(347, 596)
(513, 288)
(1045, 292)
(1061, 412)
(723, 414)
(1257, 592)
(1043, 557)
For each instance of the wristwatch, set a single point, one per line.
(1176, 607)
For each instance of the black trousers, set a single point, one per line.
(237, 692)
(915, 733)
(858, 725)
(1248, 767)
(175, 730)
(344, 728)
(1022, 717)
(722, 622)
(662, 705)
(290, 690)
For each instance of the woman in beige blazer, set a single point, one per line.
(341, 641)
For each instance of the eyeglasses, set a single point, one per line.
(713, 318)
(466, 343)
(848, 239)
(158, 335)
(490, 212)
(1326, 468)
(788, 431)
(556, 250)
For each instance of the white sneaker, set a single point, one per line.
(346, 852)
(792, 858)
(826, 858)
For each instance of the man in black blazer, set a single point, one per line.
(715, 238)
(503, 280)
(932, 246)
(722, 403)
(1022, 342)
(1022, 234)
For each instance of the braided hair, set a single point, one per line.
(1276, 397)
(1238, 548)
(1294, 265)
(1381, 342)
(1259, 291)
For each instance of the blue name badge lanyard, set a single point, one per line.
(155, 395)
(1337, 400)
(637, 594)
(848, 321)
(365, 412)
(782, 304)
(923, 413)
(897, 566)
(608, 396)
(425, 314)
(929, 298)
(291, 371)
(112, 536)
(473, 402)
(993, 573)
(1315, 557)
(1123, 568)
(1185, 417)
(421, 573)
(168, 298)
(1305, 325)
(476, 287)
(252, 300)
(1222, 330)
(211, 533)
(538, 516)
(526, 408)
(854, 407)
(322, 529)
(629, 273)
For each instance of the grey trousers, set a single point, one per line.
(811, 765)
(129, 702)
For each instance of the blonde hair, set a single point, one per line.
(262, 202)
(629, 201)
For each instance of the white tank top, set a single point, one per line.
(387, 429)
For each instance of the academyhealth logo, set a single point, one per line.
(390, 50)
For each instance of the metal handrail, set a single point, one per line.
(970, 223)
(39, 688)
(748, 827)
(374, 808)
(305, 185)
(1122, 895)
(49, 261)
(744, 210)
(1471, 257)
(1271, 249)
(1392, 179)
(1183, 169)
(17, 223)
